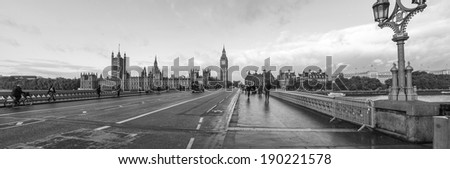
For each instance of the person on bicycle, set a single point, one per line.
(17, 94)
(51, 91)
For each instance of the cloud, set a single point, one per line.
(88, 48)
(44, 67)
(238, 11)
(19, 26)
(378, 62)
(363, 46)
(9, 41)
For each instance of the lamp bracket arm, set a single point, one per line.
(400, 17)
(392, 25)
(402, 7)
(408, 17)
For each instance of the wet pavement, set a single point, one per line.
(172, 120)
(182, 120)
(257, 123)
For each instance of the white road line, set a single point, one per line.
(102, 128)
(211, 108)
(201, 120)
(161, 109)
(221, 101)
(198, 126)
(21, 125)
(191, 141)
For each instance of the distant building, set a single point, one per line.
(440, 72)
(224, 67)
(256, 79)
(106, 84)
(118, 66)
(88, 81)
(156, 75)
(206, 77)
(149, 79)
(286, 79)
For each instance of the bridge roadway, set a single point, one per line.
(181, 120)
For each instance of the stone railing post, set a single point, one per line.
(441, 138)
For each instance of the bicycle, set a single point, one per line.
(24, 100)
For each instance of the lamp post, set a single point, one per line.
(398, 21)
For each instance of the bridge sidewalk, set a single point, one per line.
(278, 124)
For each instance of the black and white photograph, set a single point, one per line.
(243, 83)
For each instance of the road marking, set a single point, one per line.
(201, 120)
(21, 124)
(198, 126)
(211, 108)
(161, 109)
(191, 141)
(291, 129)
(221, 101)
(146, 114)
(102, 128)
(132, 135)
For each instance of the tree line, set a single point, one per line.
(7, 83)
(424, 80)
(421, 79)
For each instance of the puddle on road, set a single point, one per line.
(81, 139)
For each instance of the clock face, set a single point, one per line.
(223, 62)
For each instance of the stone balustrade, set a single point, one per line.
(356, 111)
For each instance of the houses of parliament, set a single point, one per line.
(154, 79)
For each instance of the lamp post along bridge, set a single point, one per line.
(398, 22)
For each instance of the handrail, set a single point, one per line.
(62, 95)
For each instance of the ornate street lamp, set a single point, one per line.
(381, 10)
(398, 21)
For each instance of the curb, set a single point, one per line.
(231, 109)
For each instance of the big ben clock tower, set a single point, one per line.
(224, 67)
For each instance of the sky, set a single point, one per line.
(62, 38)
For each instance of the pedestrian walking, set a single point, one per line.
(248, 91)
(118, 90)
(267, 90)
(51, 91)
(99, 91)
